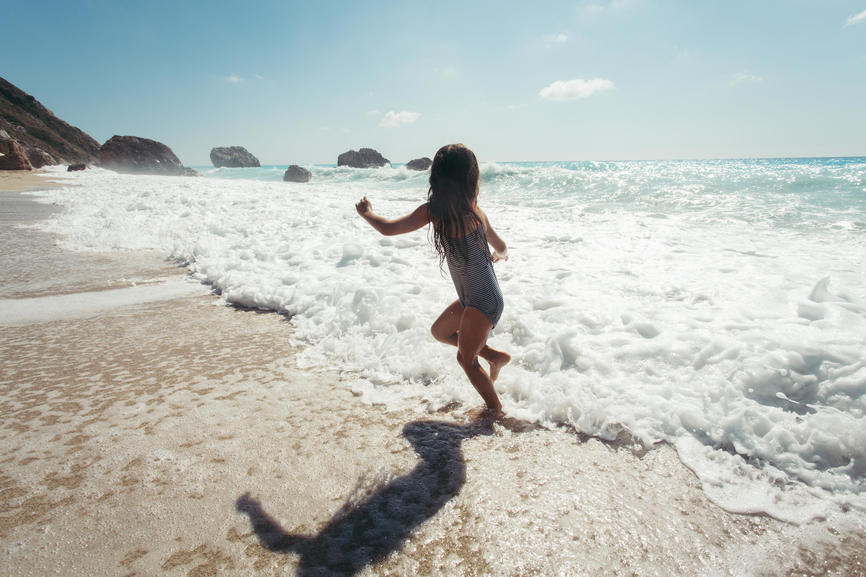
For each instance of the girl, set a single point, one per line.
(461, 233)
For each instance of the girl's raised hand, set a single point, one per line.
(363, 206)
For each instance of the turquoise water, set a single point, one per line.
(783, 192)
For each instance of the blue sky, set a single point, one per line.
(301, 82)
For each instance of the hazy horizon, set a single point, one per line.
(601, 160)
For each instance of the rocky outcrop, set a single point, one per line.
(422, 163)
(364, 158)
(12, 155)
(233, 157)
(297, 173)
(134, 155)
(76, 167)
(39, 158)
(35, 127)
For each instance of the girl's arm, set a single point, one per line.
(412, 221)
(500, 251)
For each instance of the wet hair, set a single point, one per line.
(451, 199)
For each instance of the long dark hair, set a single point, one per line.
(451, 199)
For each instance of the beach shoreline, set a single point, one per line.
(24, 180)
(177, 436)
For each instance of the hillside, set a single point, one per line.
(34, 126)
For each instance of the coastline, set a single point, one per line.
(23, 180)
(175, 436)
(34, 266)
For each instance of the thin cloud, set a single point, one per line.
(745, 76)
(856, 19)
(235, 79)
(681, 55)
(259, 77)
(395, 119)
(373, 113)
(550, 40)
(573, 89)
(592, 8)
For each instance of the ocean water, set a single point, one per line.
(719, 306)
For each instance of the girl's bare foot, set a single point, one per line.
(484, 413)
(497, 360)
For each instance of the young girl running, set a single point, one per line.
(461, 234)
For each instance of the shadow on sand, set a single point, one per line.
(364, 532)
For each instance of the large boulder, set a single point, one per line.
(419, 164)
(134, 155)
(33, 126)
(297, 173)
(233, 157)
(12, 155)
(39, 158)
(364, 158)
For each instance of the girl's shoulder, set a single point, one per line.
(482, 216)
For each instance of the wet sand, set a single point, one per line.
(12, 180)
(175, 436)
(33, 266)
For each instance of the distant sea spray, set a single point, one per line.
(814, 185)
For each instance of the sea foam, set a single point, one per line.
(715, 305)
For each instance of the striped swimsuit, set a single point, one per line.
(475, 281)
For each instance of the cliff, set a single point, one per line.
(35, 127)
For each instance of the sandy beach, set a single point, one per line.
(147, 429)
(15, 180)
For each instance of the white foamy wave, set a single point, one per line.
(384, 175)
(738, 339)
(493, 169)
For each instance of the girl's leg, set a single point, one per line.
(447, 327)
(471, 339)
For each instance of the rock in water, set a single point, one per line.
(76, 167)
(364, 158)
(35, 127)
(134, 155)
(233, 157)
(296, 173)
(12, 155)
(422, 163)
